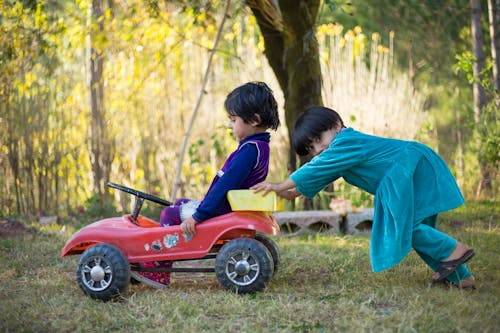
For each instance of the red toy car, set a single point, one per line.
(245, 259)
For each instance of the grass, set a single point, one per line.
(324, 285)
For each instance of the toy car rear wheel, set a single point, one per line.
(244, 265)
(271, 247)
(103, 272)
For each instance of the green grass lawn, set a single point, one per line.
(324, 284)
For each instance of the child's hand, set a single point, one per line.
(287, 186)
(188, 226)
(289, 194)
(264, 186)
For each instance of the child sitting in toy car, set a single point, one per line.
(252, 109)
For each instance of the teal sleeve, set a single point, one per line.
(328, 166)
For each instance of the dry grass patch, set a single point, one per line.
(324, 285)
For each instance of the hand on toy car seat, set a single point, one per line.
(188, 226)
(289, 194)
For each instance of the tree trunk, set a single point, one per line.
(494, 21)
(478, 92)
(460, 150)
(12, 143)
(292, 51)
(100, 144)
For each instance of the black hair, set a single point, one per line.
(254, 98)
(311, 124)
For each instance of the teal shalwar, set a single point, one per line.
(411, 185)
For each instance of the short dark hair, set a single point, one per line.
(254, 98)
(311, 124)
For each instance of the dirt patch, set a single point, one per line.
(12, 228)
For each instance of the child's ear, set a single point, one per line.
(257, 120)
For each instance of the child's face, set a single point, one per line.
(323, 142)
(241, 129)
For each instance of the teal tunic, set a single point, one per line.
(409, 180)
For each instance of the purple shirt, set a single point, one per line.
(245, 167)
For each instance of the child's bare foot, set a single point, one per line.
(460, 255)
(467, 283)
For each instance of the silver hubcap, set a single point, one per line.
(97, 274)
(242, 269)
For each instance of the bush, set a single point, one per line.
(98, 207)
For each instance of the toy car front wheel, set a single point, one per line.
(244, 266)
(103, 272)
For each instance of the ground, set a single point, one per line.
(10, 228)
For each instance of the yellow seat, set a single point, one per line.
(249, 200)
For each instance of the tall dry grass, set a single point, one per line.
(362, 83)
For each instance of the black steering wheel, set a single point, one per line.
(139, 198)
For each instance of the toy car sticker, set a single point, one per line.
(156, 245)
(171, 240)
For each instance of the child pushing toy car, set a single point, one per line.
(411, 184)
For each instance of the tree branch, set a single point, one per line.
(198, 103)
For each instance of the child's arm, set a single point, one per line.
(285, 189)
(289, 194)
(235, 174)
(238, 170)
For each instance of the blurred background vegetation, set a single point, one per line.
(93, 91)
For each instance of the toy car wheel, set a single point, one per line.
(244, 265)
(272, 248)
(103, 272)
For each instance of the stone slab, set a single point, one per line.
(356, 223)
(311, 221)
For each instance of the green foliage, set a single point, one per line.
(216, 143)
(344, 5)
(193, 151)
(96, 207)
(465, 63)
(202, 154)
(487, 127)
